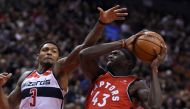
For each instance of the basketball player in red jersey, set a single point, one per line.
(45, 87)
(117, 87)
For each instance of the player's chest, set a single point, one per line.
(111, 90)
(41, 81)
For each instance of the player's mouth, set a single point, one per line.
(49, 58)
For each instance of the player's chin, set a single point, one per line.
(48, 63)
(109, 63)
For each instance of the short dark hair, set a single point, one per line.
(51, 42)
(129, 56)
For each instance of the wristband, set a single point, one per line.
(101, 22)
(123, 43)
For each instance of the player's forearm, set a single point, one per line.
(3, 100)
(96, 51)
(72, 60)
(94, 35)
(155, 96)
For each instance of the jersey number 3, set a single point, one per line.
(33, 91)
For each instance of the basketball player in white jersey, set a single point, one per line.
(45, 87)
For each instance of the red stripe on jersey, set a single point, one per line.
(33, 75)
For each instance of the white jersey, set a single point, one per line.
(41, 91)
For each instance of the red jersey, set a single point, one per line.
(110, 92)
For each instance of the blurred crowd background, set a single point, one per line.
(25, 24)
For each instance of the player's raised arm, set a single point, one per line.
(151, 98)
(72, 61)
(155, 97)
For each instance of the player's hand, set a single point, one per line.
(163, 52)
(4, 77)
(130, 42)
(159, 59)
(114, 13)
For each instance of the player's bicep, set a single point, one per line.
(71, 62)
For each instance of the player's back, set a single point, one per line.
(110, 92)
(41, 91)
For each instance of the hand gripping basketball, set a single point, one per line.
(147, 44)
(130, 42)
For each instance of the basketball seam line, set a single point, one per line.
(144, 50)
(156, 38)
(151, 42)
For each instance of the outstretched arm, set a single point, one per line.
(108, 16)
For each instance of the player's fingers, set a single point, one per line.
(3, 76)
(155, 52)
(115, 7)
(2, 81)
(163, 51)
(9, 75)
(100, 9)
(120, 10)
(158, 56)
(142, 32)
(161, 48)
(5, 73)
(120, 18)
(121, 14)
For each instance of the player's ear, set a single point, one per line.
(37, 56)
(36, 60)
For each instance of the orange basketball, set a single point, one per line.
(145, 45)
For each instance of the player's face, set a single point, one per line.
(48, 55)
(116, 58)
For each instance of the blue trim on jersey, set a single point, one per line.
(44, 92)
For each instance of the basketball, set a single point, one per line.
(146, 45)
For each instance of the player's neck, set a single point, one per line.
(118, 72)
(41, 69)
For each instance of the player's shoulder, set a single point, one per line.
(137, 85)
(26, 73)
(140, 84)
(23, 76)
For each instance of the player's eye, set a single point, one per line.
(54, 51)
(44, 49)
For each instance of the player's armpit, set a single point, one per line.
(142, 90)
(137, 85)
(143, 94)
